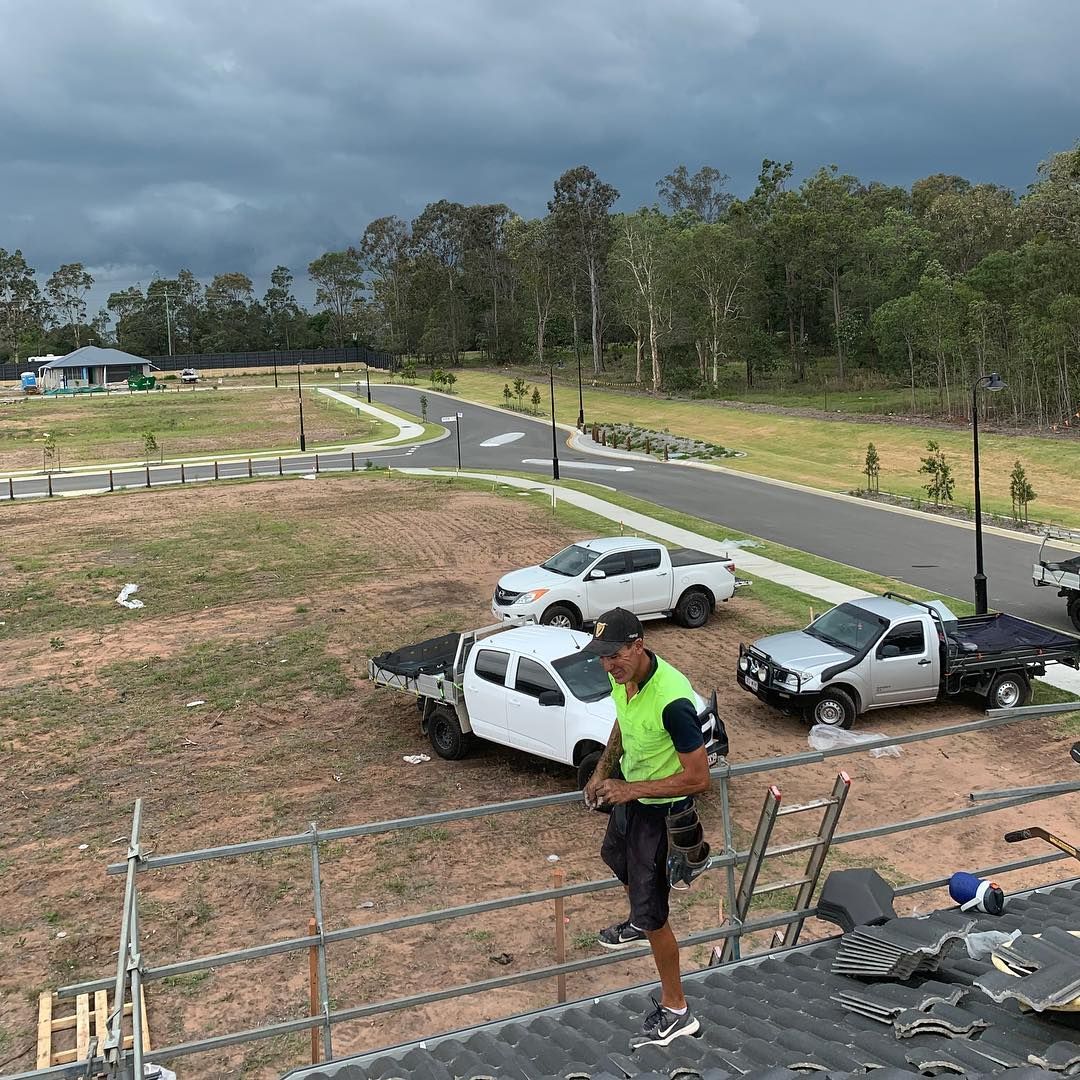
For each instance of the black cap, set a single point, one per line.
(613, 630)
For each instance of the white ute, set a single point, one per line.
(530, 687)
(576, 586)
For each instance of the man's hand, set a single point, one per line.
(614, 792)
(592, 790)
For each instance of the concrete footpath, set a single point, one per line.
(822, 588)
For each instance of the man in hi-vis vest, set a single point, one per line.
(658, 745)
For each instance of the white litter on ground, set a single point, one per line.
(553, 858)
(825, 737)
(83, 847)
(125, 592)
(192, 704)
(416, 759)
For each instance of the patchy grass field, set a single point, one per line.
(264, 601)
(829, 454)
(107, 429)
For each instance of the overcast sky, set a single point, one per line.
(141, 136)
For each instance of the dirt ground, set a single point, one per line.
(264, 765)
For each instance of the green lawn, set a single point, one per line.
(823, 453)
(102, 429)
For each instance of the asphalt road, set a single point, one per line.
(911, 548)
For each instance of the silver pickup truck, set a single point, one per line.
(890, 650)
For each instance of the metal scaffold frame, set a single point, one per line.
(133, 973)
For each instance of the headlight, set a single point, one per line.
(744, 662)
(761, 671)
(531, 597)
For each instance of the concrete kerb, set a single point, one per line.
(822, 588)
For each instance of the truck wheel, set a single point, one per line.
(562, 616)
(586, 768)
(1008, 691)
(693, 609)
(1074, 610)
(447, 738)
(834, 708)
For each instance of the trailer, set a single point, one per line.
(1063, 576)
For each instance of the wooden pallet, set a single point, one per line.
(90, 1020)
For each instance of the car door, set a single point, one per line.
(612, 590)
(903, 669)
(485, 693)
(540, 729)
(650, 575)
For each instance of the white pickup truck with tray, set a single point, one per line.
(576, 586)
(529, 687)
(1063, 576)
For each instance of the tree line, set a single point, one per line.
(925, 287)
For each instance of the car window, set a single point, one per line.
(907, 637)
(532, 679)
(584, 675)
(612, 564)
(644, 559)
(570, 561)
(491, 665)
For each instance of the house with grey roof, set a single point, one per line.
(90, 366)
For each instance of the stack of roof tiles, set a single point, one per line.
(901, 947)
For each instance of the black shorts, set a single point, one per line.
(636, 847)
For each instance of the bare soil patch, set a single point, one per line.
(293, 733)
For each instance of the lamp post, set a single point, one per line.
(456, 421)
(367, 371)
(554, 433)
(275, 367)
(300, 398)
(992, 382)
(580, 396)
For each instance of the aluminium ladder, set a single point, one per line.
(818, 848)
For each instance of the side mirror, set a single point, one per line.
(597, 575)
(887, 652)
(551, 697)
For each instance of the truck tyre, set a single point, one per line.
(561, 615)
(1008, 691)
(447, 738)
(693, 609)
(586, 768)
(833, 708)
(1074, 610)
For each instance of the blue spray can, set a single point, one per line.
(975, 893)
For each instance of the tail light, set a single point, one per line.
(730, 566)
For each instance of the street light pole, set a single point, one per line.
(275, 370)
(992, 382)
(458, 426)
(300, 398)
(367, 371)
(554, 434)
(168, 320)
(580, 396)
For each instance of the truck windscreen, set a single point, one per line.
(584, 676)
(848, 627)
(570, 561)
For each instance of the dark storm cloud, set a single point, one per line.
(141, 137)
